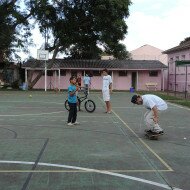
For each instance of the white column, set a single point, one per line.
(137, 84)
(26, 76)
(112, 79)
(163, 81)
(55, 79)
(45, 77)
(59, 78)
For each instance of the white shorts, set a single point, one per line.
(106, 95)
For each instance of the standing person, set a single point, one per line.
(154, 104)
(72, 101)
(107, 89)
(87, 82)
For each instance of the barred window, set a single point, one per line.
(153, 73)
(122, 73)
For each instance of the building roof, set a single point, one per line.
(96, 64)
(180, 47)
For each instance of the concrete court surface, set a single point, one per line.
(105, 152)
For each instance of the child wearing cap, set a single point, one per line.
(154, 104)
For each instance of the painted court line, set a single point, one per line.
(95, 171)
(178, 106)
(31, 114)
(152, 151)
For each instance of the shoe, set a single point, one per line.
(76, 123)
(70, 124)
(148, 130)
(109, 112)
(157, 132)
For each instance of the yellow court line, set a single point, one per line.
(79, 171)
(148, 147)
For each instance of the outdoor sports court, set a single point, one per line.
(38, 151)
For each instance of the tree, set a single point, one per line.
(14, 29)
(185, 41)
(82, 28)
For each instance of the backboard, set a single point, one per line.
(42, 54)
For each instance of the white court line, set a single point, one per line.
(35, 102)
(182, 107)
(31, 114)
(95, 171)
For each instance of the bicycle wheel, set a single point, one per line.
(90, 106)
(67, 105)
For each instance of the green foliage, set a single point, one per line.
(82, 28)
(14, 29)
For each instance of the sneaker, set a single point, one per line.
(161, 132)
(70, 124)
(76, 123)
(109, 112)
(157, 132)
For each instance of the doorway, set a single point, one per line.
(134, 80)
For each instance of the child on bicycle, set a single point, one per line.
(72, 101)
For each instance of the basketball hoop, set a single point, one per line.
(42, 55)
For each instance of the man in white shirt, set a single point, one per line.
(154, 104)
(107, 89)
(87, 82)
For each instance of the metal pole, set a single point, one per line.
(163, 80)
(137, 81)
(186, 83)
(112, 79)
(45, 77)
(168, 77)
(175, 80)
(59, 79)
(55, 79)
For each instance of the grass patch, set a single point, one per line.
(185, 103)
(169, 98)
(162, 95)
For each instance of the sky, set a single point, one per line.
(160, 23)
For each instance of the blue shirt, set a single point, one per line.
(73, 98)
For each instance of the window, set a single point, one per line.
(63, 72)
(122, 73)
(177, 58)
(96, 73)
(153, 73)
(183, 57)
(49, 73)
(73, 73)
(89, 73)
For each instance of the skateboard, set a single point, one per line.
(152, 136)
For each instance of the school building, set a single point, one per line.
(139, 74)
(179, 67)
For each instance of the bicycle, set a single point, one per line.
(89, 105)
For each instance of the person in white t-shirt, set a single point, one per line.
(107, 89)
(154, 104)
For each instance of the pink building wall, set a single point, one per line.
(119, 82)
(180, 71)
(148, 52)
